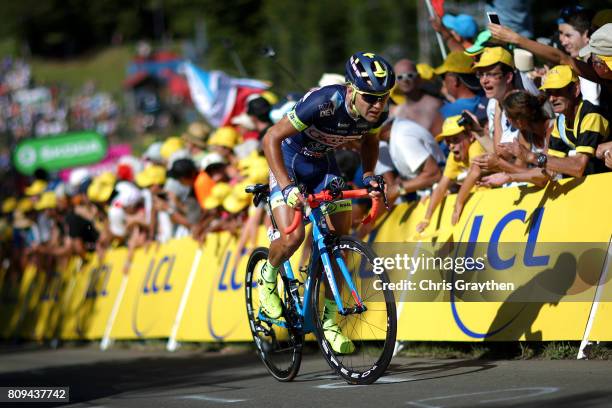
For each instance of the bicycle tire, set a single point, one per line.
(280, 349)
(357, 367)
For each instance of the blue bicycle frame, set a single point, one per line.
(320, 250)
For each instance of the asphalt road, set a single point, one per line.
(137, 378)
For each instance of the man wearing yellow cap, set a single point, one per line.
(462, 86)
(579, 128)
(463, 149)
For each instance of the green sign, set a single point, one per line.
(59, 152)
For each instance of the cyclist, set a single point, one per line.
(299, 150)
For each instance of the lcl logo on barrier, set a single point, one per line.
(152, 285)
(496, 262)
(494, 259)
(99, 274)
(224, 286)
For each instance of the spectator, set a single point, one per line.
(526, 113)
(574, 24)
(195, 137)
(579, 128)
(182, 205)
(462, 86)
(458, 31)
(82, 234)
(418, 106)
(463, 149)
(598, 69)
(495, 69)
(408, 159)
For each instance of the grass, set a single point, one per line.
(106, 67)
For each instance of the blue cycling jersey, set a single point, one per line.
(325, 122)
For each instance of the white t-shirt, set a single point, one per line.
(116, 220)
(410, 144)
(508, 132)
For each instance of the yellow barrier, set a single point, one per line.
(76, 302)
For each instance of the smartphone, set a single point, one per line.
(493, 18)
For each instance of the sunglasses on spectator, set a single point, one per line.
(372, 99)
(407, 76)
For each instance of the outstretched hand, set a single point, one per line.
(503, 33)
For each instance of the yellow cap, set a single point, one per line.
(425, 71)
(24, 205)
(221, 190)
(450, 127)
(212, 202)
(170, 145)
(37, 187)
(254, 168)
(456, 62)
(101, 187)
(397, 96)
(607, 59)
(558, 77)
(234, 203)
(494, 55)
(107, 177)
(225, 136)
(151, 175)
(8, 205)
(47, 200)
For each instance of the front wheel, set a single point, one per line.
(372, 330)
(278, 344)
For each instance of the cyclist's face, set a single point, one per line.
(369, 106)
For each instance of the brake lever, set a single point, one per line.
(381, 187)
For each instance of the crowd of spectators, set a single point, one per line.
(488, 116)
(28, 109)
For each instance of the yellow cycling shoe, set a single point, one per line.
(268, 297)
(338, 341)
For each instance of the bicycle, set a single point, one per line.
(279, 342)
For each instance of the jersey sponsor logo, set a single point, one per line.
(326, 109)
(329, 108)
(343, 125)
(329, 140)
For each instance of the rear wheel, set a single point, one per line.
(278, 344)
(373, 330)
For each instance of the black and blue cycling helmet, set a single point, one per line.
(370, 73)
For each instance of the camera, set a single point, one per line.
(465, 120)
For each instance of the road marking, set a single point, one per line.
(211, 399)
(383, 380)
(537, 392)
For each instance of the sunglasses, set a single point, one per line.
(373, 99)
(407, 76)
